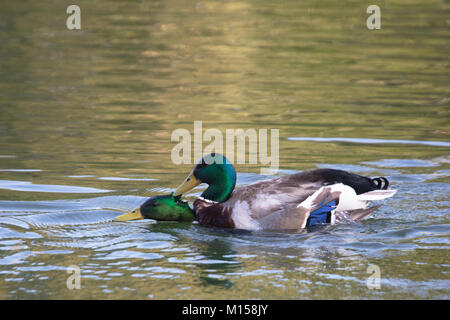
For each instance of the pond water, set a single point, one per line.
(86, 118)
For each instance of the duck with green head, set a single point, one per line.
(161, 208)
(293, 201)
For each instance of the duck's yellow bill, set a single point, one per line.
(190, 183)
(133, 215)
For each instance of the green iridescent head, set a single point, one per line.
(161, 208)
(215, 170)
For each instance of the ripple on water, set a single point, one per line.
(14, 222)
(414, 233)
(357, 168)
(372, 141)
(200, 260)
(402, 163)
(20, 170)
(128, 254)
(8, 233)
(126, 179)
(32, 187)
(17, 258)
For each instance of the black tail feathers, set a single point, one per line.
(380, 183)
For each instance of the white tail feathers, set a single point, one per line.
(376, 195)
(347, 199)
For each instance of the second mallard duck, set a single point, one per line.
(288, 202)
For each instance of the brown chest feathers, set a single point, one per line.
(213, 214)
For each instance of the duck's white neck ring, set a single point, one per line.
(206, 200)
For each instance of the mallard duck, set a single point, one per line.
(161, 208)
(294, 201)
(288, 202)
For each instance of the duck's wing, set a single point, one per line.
(265, 197)
(314, 209)
(268, 196)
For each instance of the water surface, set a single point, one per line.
(86, 119)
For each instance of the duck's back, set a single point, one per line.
(359, 183)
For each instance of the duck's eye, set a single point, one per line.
(188, 179)
(155, 204)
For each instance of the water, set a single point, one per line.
(87, 116)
